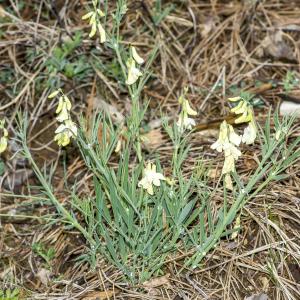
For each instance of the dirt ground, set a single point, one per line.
(218, 49)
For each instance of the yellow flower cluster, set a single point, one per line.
(133, 72)
(245, 111)
(68, 128)
(184, 121)
(4, 137)
(228, 142)
(94, 22)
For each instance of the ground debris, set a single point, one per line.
(258, 297)
(158, 281)
(101, 295)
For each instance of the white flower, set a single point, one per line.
(65, 132)
(139, 60)
(249, 135)
(232, 150)
(151, 177)
(228, 139)
(223, 138)
(233, 137)
(184, 122)
(133, 72)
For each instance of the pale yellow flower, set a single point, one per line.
(133, 72)
(139, 60)
(278, 134)
(151, 177)
(228, 141)
(229, 165)
(247, 116)
(62, 139)
(93, 30)
(231, 153)
(3, 144)
(102, 33)
(228, 182)
(232, 150)
(186, 107)
(246, 113)
(185, 104)
(4, 138)
(88, 15)
(63, 109)
(223, 138)
(170, 181)
(234, 99)
(65, 132)
(240, 108)
(236, 226)
(119, 146)
(93, 17)
(243, 109)
(100, 13)
(184, 121)
(54, 94)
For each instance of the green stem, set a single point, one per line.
(54, 200)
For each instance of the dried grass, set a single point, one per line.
(210, 46)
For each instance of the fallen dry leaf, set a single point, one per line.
(179, 21)
(158, 281)
(16, 179)
(274, 45)
(250, 163)
(258, 297)
(100, 134)
(153, 139)
(111, 110)
(207, 27)
(101, 295)
(265, 283)
(2, 12)
(214, 173)
(44, 276)
(293, 96)
(288, 108)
